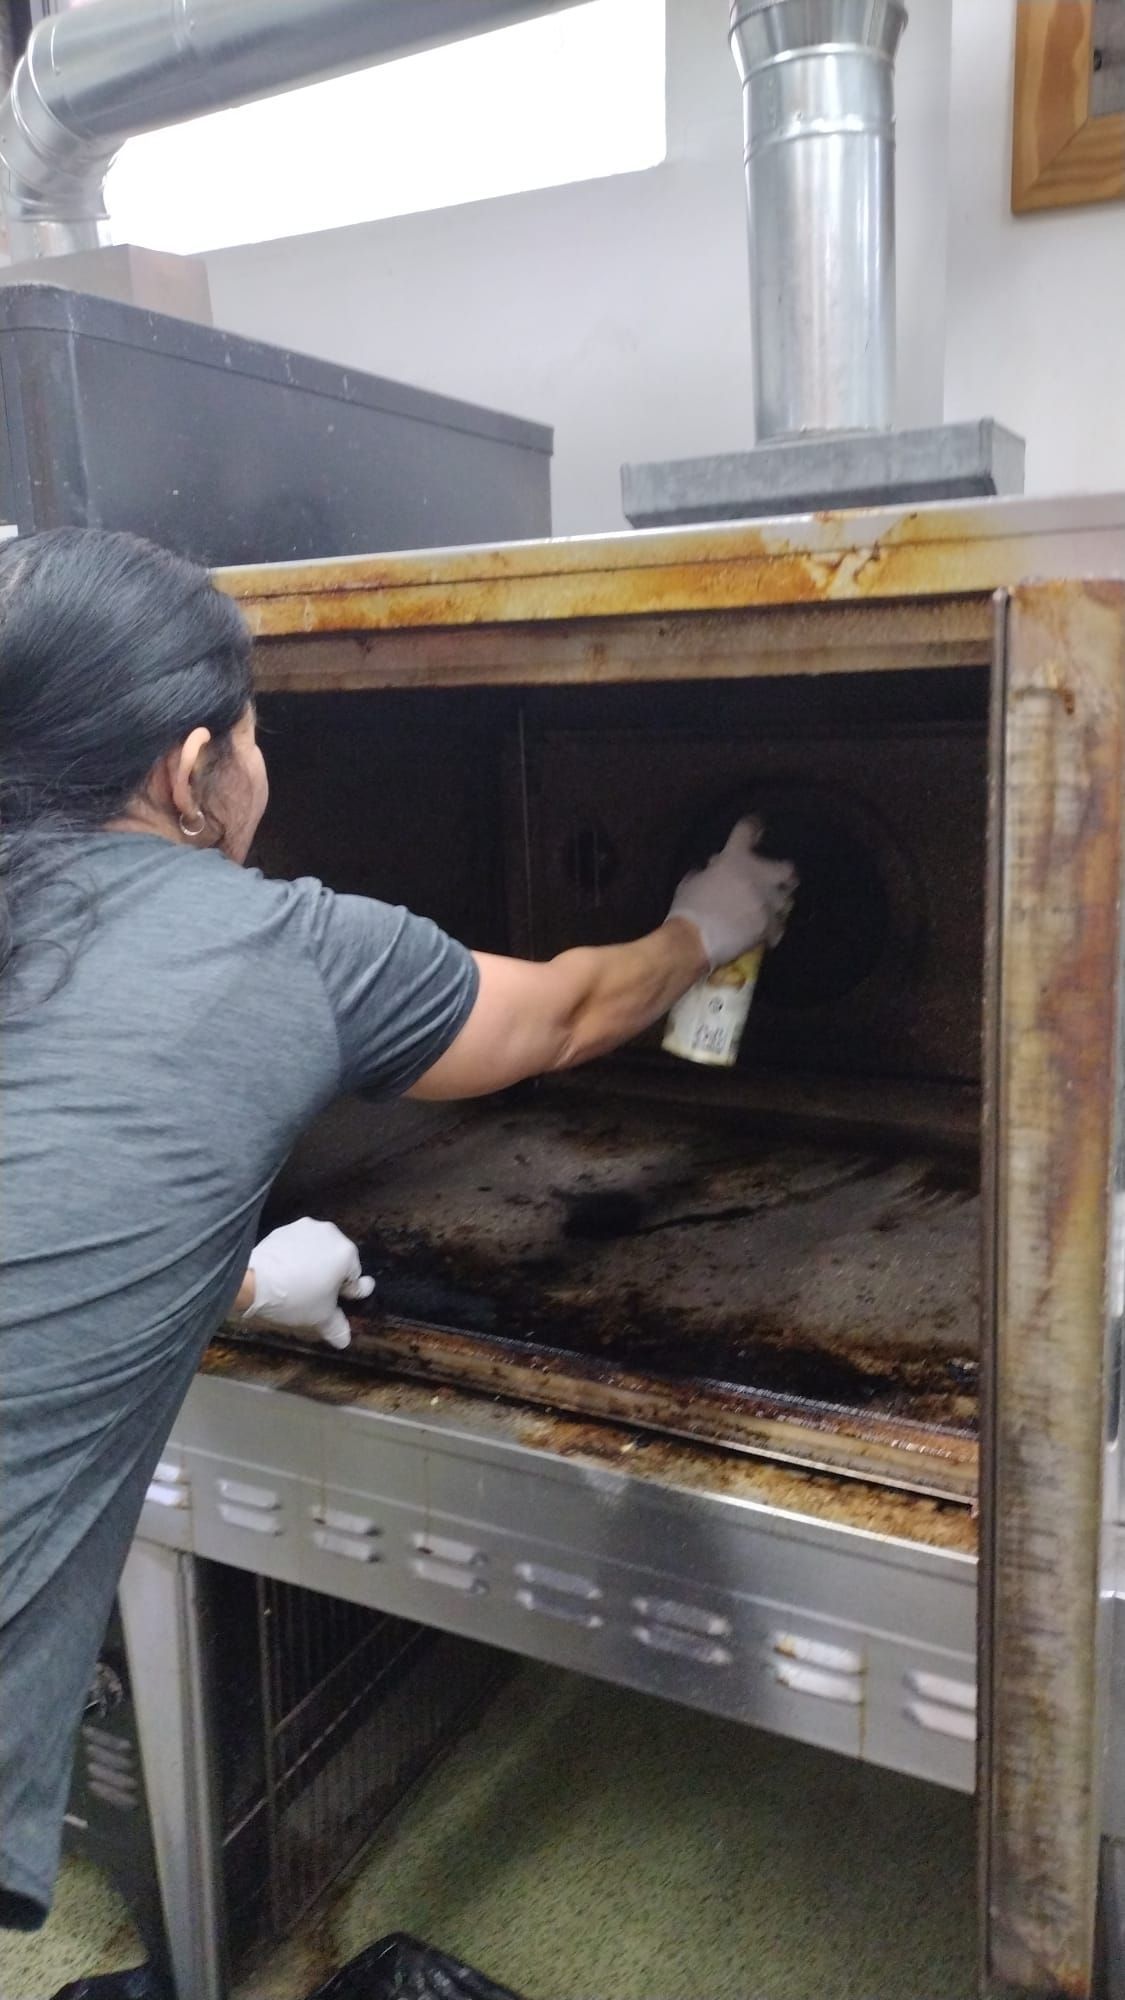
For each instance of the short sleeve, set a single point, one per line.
(399, 989)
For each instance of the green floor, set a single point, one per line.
(582, 1843)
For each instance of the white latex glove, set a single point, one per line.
(738, 901)
(300, 1272)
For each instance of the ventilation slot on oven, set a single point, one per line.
(559, 1593)
(685, 1630)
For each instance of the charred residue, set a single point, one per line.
(682, 1271)
(679, 1247)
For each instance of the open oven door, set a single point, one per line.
(1055, 1188)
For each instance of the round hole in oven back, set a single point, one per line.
(589, 860)
(857, 918)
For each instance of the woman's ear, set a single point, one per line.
(182, 768)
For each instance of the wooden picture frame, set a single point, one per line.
(1062, 154)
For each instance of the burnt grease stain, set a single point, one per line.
(934, 1182)
(609, 1214)
(463, 1290)
(605, 1215)
(533, 1267)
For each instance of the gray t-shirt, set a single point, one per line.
(146, 1105)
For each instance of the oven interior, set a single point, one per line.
(781, 1258)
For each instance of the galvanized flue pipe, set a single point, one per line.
(818, 99)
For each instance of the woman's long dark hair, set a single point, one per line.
(111, 652)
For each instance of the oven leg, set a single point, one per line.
(160, 1611)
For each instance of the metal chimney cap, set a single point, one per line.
(763, 30)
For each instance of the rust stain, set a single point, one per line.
(1064, 748)
(780, 579)
(838, 637)
(684, 569)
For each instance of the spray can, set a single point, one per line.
(706, 1025)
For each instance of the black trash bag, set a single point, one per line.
(399, 1968)
(140, 1982)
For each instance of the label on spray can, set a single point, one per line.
(706, 1025)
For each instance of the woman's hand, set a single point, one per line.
(297, 1275)
(738, 900)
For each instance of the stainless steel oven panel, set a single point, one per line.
(851, 1640)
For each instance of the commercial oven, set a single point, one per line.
(749, 1389)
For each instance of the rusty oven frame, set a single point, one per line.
(937, 587)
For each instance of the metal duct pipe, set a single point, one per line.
(97, 75)
(818, 97)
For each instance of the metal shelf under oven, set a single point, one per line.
(825, 1609)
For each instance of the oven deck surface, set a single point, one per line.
(679, 1271)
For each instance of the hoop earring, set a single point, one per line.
(193, 832)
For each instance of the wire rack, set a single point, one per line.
(325, 1714)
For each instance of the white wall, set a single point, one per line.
(617, 310)
(1036, 303)
(614, 309)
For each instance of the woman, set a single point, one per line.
(169, 1021)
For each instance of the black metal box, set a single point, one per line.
(232, 451)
